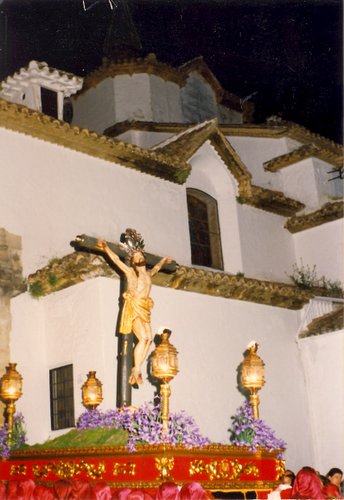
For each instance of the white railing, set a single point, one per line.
(315, 308)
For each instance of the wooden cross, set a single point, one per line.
(125, 342)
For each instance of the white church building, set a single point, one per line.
(239, 206)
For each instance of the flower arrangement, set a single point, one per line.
(4, 448)
(144, 425)
(18, 437)
(246, 431)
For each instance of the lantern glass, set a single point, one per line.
(252, 373)
(11, 384)
(92, 394)
(164, 360)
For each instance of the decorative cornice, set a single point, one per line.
(80, 266)
(148, 65)
(246, 130)
(151, 66)
(329, 212)
(329, 322)
(301, 134)
(284, 129)
(219, 450)
(188, 141)
(302, 153)
(21, 119)
(271, 201)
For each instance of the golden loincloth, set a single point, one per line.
(134, 308)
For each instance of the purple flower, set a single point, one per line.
(246, 431)
(145, 425)
(18, 436)
(4, 448)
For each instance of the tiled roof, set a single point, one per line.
(329, 322)
(327, 213)
(79, 266)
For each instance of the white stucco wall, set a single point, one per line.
(267, 248)
(254, 151)
(327, 186)
(323, 361)
(53, 194)
(210, 334)
(299, 182)
(95, 108)
(133, 97)
(127, 97)
(322, 246)
(165, 99)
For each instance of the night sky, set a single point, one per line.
(287, 53)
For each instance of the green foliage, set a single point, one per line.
(36, 289)
(240, 200)
(181, 175)
(86, 438)
(306, 277)
(333, 286)
(239, 274)
(53, 260)
(52, 279)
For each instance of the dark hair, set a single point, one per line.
(290, 473)
(324, 479)
(334, 471)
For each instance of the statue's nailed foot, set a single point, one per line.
(135, 377)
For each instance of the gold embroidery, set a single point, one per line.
(222, 469)
(67, 470)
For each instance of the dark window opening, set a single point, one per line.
(61, 397)
(204, 229)
(49, 102)
(67, 110)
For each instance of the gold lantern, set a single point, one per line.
(165, 367)
(10, 391)
(252, 375)
(92, 394)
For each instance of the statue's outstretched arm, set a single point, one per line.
(103, 246)
(159, 265)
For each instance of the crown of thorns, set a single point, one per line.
(132, 242)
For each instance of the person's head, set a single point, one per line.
(335, 476)
(167, 491)
(193, 491)
(137, 260)
(288, 477)
(307, 484)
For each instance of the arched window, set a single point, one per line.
(204, 229)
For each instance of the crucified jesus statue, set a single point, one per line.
(136, 311)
